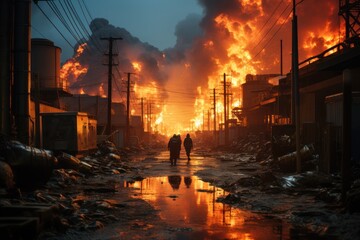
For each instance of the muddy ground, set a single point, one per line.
(111, 201)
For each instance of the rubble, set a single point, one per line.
(64, 186)
(274, 174)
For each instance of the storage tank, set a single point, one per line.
(45, 63)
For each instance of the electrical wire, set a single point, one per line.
(58, 14)
(268, 42)
(268, 20)
(47, 17)
(95, 40)
(72, 22)
(271, 28)
(36, 30)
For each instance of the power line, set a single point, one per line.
(87, 10)
(76, 16)
(95, 40)
(54, 26)
(71, 20)
(268, 20)
(58, 14)
(36, 30)
(267, 43)
(269, 30)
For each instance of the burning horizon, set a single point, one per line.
(235, 37)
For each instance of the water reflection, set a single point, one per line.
(187, 181)
(193, 205)
(174, 181)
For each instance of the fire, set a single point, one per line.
(320, 40)
(72, 69)
(80, 50)
(151, 91)
(137, 66)
(159, 119)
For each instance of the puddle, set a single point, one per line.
(190, 204)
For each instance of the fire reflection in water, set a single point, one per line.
(190, 203)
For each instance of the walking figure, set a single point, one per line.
(179, 142)
(188, 144)
(173, 147)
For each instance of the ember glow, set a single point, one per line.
(233, 37)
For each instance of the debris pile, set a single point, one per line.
(71, 188)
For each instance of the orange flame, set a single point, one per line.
(72, 69)
(137, 66)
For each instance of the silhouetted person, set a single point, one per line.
(179, 145)
(174, 181)
(174, 149)
(188, 144)
(187, 181)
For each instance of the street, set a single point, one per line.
(216, 196)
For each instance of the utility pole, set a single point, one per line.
(226, 110)
(150, 116)
(208, 121)
(203, 123)
(110, 65)
(214, 107)
(281, 58)
(147, 117)
(128, 108)
(142, 113)
(295, 86)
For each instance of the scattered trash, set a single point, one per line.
(68, 161)
(287, 163)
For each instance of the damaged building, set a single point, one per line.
(322, 80)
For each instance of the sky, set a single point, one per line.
(152, 21)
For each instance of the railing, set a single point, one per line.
(347, 44)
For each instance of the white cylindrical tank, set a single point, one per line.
(45, 63)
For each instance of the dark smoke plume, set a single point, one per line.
(128, 50)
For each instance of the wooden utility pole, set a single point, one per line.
(226, 126)
(142, 113)
(150, 117)
(295, 86)
(214, 107)
(281, 58)
(208, 121)
(110, 65)
(128, 108)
